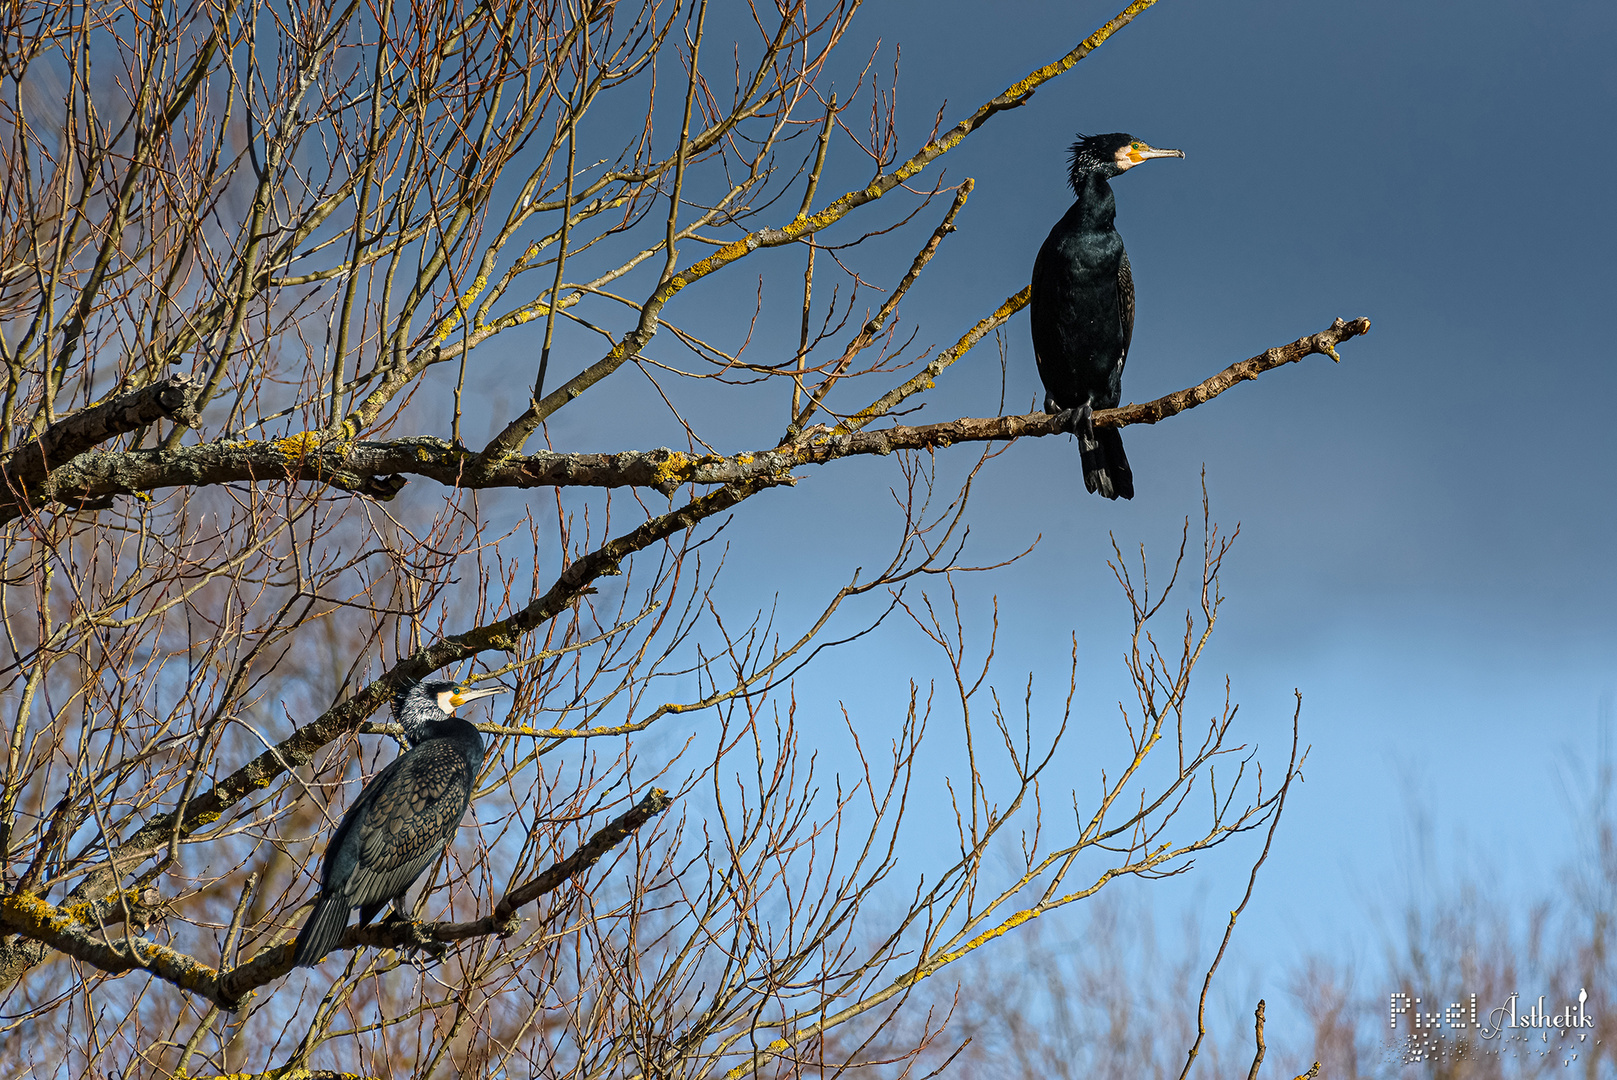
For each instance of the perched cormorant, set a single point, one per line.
(1082, 308)
(403, 818)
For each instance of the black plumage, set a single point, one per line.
(402, 820)
(1082, 308)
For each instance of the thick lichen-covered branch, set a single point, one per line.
(90, 931)
(378, 469)
(173, 398)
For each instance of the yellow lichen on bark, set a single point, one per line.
(299, 446)
(462, 306)
(675, 470)
(30, 915)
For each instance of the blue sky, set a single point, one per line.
(1426, 529)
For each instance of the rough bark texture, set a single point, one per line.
(174, 398)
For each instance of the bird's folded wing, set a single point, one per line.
(1125, 301)
(410, 821)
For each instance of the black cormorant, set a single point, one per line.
(403, 818)
(1082, 308)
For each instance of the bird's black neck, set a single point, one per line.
(1096, 208)
(463, 733)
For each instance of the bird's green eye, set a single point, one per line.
(1135, 145)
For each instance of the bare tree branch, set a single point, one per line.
(378, 469)
(174, 398)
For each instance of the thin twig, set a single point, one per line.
(1257, 1058)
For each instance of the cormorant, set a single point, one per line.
(1082, 308)
(403, 818)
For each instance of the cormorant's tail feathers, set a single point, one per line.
(1106, 467)
(321, 932)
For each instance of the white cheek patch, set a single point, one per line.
(1125, 161)
(445, 701)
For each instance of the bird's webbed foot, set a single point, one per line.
(1079, 422)
(416, 938)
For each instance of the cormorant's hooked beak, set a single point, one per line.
(464, 694)
(1141, 152)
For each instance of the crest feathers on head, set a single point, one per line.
(1093, 152)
